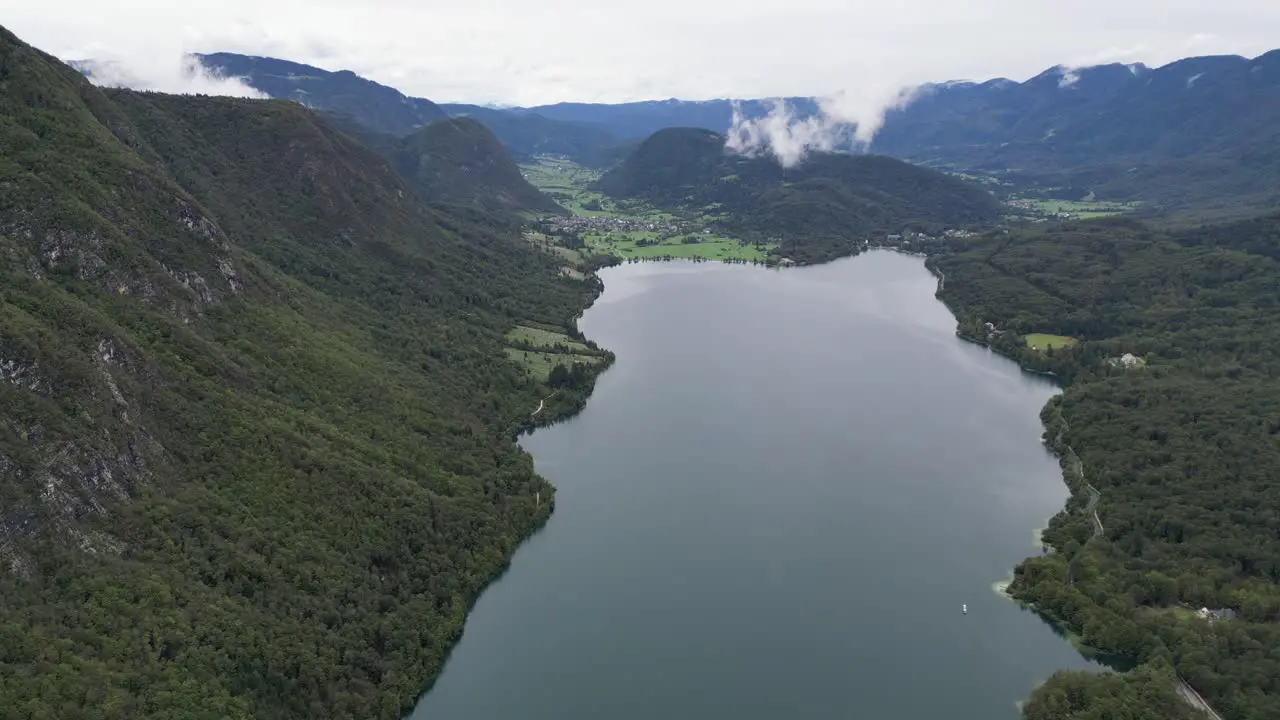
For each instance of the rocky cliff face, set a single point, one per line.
(254, 405)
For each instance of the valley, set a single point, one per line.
(626, 229)
(267, 366)
(1042, 209)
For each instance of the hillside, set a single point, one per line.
(823, 209)
(385, 110)
(1178, 448)
(1199, 133)
(377, 107)
(256, 456)
(1196, 136)
(455, 161)
(637, 120)
(527, 135)
(460, 161)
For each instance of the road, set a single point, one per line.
(1185, 690)
(1193, 699)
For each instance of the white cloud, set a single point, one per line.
(1112, 55)
(849, 118)
(521, 52)
(179, 73)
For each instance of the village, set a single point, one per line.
(556, 225)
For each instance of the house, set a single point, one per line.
(1215, 615)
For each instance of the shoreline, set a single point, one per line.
(546, 416)
(543, 416)
(1072, 474)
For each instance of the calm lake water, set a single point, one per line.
(774, 506)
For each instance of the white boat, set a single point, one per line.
(964, 609)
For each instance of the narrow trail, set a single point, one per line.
(543, 403)
(1094, 496)
(1077, 468)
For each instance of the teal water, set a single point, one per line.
(774, 506)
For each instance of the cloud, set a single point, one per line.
(1201, 39)
(848, 119)
(550, 51)
(180, 75)
(1111, 55)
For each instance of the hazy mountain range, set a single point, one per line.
(1199, 132)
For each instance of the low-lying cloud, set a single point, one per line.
(844, 120)
(178, 73)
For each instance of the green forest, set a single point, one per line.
(1176, 450)
(256, 454)
(827, 207)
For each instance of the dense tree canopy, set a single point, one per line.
(256, 452)
(829, 206)
(1180, 445)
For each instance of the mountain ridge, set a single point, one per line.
(1189, 137)
(460, 160)
(378, 107)
(828, 206)
(257, 455)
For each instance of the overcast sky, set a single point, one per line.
(529, 52)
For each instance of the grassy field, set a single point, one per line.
(539, 364)
(989, 180)
(1076, 208)
(554, 348)
(540, 338)
(1042, 341)
(569, 183)
(713, 248)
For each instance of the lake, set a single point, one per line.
(773, 506)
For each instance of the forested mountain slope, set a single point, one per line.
(1197, 134)
(255, 447)
(384, 109)
(377, 107)
(528, 134)
(1180, 450)
(822, 209)
(454, 161)
(459, 160)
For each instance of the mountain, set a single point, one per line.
(1068, 117)
(256, 452)
(1195, 137)
(460, 161)
(528, 134)
(456, 161)
(375, 106)
(822, 209)
(1200, 132)
(388, 111)
(636, 120)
